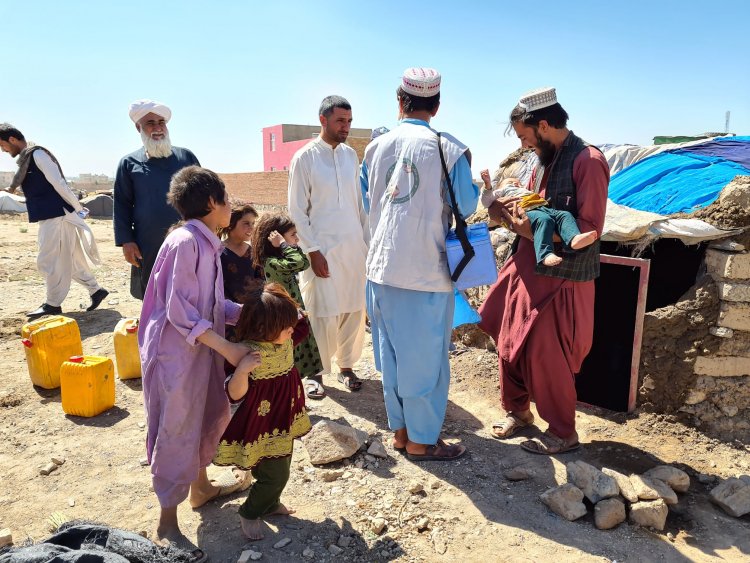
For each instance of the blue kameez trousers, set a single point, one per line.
(411, 332)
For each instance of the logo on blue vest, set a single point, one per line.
(406, 182)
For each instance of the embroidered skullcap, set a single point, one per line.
(141, 108)
(538, 99)
(421, 82)
(378, 132)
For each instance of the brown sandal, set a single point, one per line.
(509, 426)
(439, 452)
(549, 444)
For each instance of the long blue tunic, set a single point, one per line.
(141, 212)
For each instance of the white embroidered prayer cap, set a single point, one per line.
(538, 99)
(141, 108)
(421, 82)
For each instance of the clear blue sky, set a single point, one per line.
(625, 71)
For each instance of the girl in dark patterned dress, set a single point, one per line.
(275, 250)
(271, 414)
(237, 256)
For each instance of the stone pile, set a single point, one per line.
(643, 499)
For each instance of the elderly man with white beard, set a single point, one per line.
(142, 215)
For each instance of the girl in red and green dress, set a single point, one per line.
(271, 411)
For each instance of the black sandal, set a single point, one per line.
(350, 380)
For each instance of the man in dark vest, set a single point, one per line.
(64, 239)
(142, 215)
(542, 318)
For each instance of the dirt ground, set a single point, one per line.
(468, 510)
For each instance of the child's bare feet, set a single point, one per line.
(253, 529)
(552, 260)
(583, 240)
(280, 510)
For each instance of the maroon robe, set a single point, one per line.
(543, 326)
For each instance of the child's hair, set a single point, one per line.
(268, 311)
(262, 247)
(239, 210)
(190, 191)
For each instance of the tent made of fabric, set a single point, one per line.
(99, 205)
(682, 180)
(12, 203)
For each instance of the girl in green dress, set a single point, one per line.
(275, 250)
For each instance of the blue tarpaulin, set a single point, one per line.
(682, 180)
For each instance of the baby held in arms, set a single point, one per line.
(544, 220)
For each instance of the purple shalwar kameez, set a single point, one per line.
(183, 380)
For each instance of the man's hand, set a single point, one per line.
(132, 254)
(319, 264)
(507, 210)
(9, 190)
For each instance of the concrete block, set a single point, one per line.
(722, 366)
(729, 266)
(6, 537)
(734, 315)
(732, 291)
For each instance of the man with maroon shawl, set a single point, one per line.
(542, 318)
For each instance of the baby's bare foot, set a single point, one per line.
(583, 240)
(252, 528)
(551, 260)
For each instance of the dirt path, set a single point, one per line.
(467, 511)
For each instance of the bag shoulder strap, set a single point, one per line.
(460, 223)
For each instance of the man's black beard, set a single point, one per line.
(546, 150)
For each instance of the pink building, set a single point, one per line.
(280, 142)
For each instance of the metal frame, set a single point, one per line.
(640, 312)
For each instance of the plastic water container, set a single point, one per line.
(125, 337)
(48, 343)
(87, 385)
(482, 268)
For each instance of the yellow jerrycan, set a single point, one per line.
(87, 385)
(125, 338)
(48, 343)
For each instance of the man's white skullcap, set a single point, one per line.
(538, 99)
(141, 108)
(421, 82)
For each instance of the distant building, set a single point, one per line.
(280, 142)
(92, 183)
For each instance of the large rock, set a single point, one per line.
(665, 491)
(733, 495)
(644, 488)
(651, 513)
(594, 484)
(565, 500)
(623, 482)
(675, 478)
(330, 441)
(608, 513)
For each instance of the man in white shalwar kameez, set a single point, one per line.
(325, 203)
(65, 241)
(409, 290)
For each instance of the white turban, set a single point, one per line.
(141, 108)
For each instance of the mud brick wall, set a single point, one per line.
(718, 400)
